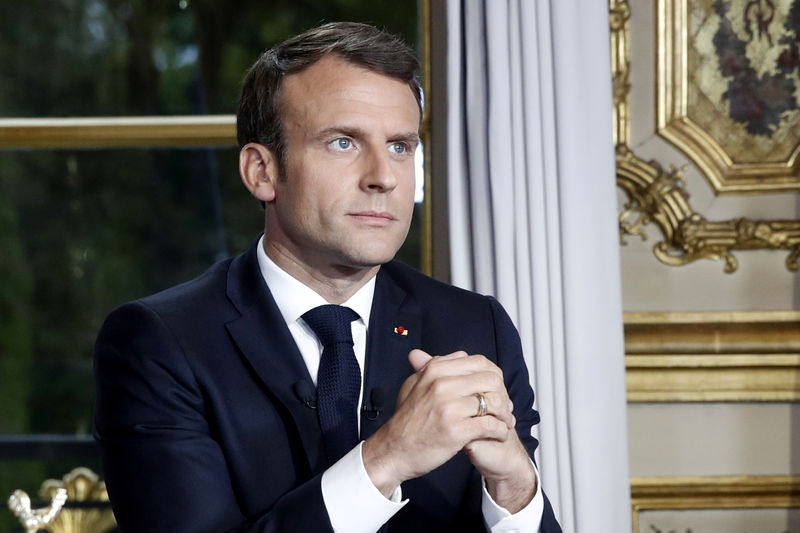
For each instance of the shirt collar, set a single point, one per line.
(294, 298)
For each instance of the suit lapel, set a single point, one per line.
(386, 362)
(269, 349)
(267, 345)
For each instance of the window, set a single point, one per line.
(97, 211)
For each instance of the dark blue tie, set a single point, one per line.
(338, 378)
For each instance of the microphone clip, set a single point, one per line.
(376, 399)
(306, 393)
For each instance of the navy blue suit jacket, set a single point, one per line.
(201, 431)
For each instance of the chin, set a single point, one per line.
(370, 262)
(367, 251)
(371, 259)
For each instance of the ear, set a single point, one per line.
(258, 168)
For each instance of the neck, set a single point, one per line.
(336, 283)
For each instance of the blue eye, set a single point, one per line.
(342, 143)
(398, 148)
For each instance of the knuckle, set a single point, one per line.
(438, 387)
(494, 401)
(497, 384)
(479, 357)
(492, 425)
(501, 429)
(498, 379)
(446, 411)
(489, 381)
(451, 432)
(427, 370)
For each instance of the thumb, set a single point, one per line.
(418, 359)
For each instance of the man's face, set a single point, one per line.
(347, 198)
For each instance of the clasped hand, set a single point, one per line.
(436, 418)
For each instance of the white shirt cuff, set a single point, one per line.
(499, 520)
(353, 503)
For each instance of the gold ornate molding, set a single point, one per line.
(33, 519)
(82, 486)
(426, 33)
(659, 196)
(678, 117)
(620, 13)
(713, 357)
(713, 492)
(105, 132)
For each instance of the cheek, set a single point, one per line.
(407, 191)
(319, 186)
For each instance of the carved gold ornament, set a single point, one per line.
(82, 486)
(35, 519)
(658, 196)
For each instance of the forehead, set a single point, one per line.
(334, 89)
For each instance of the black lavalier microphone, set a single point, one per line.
(376, 398)
(306, 393)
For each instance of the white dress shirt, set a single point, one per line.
(353, 503)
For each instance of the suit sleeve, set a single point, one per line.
(163, 469)
(515, 373)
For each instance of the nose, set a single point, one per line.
(379, 172)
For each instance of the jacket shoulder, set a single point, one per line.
(202, 296)
(430, 289)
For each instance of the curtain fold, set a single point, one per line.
(532, 217)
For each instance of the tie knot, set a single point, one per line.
(331, 323)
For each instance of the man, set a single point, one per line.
(207, 414)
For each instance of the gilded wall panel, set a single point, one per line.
(703, 116)
(725, 356)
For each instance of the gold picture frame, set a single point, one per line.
(656, 195)
(713, 492)
(735, 116)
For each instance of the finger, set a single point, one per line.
(486, 427)
(418, 359)
(445, 387)
(496, 405)
(455, 355)
(458, 364)
(408, 385)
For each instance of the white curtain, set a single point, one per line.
(532, 216)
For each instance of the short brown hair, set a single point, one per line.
(259, 116)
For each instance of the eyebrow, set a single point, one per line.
(410, 138)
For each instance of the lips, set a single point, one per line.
(373, 218)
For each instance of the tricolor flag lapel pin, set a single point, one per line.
(400, 330)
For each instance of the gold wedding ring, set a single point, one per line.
(482, 407)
